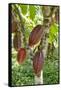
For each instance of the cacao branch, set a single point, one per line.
(23, 30)
(22, 24)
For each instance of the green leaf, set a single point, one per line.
(53, 33)
(32, 11)
(23, 9)
(27, 32)
(54, 28)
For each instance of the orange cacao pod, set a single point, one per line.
(17, 41)
(38, 61)
(21, 55)
(35, 35)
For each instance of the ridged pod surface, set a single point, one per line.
(38, 61)
(36, 35)
(17, 41)
(21, 55)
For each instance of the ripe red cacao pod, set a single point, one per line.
(17, 41)
(36, 35)
(21, 55)
(38, 61)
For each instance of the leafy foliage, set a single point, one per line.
(51, 69)
(23, 9)
(53, 33)
(32, 11)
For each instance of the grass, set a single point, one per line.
(23, 74)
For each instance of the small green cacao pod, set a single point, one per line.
(17, 41)
(38, 61)
(36, 35)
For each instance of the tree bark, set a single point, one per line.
(39, 80)
(47, 22)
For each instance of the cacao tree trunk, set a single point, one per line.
(39, 80)
(48, 19)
